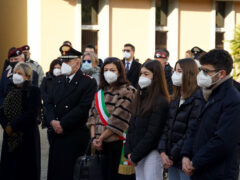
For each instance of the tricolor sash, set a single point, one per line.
(102, 110)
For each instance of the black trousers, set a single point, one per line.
(112, 153)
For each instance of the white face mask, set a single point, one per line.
(56, 72)
(204, 80)
(144, 82)
(177, 78)
(17, 79)
(66, 69)
(126, 55)
(110, 77)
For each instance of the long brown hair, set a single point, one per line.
(122, 79)
(157, 88)
(189, 79)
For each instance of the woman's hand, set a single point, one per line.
(167, 163)
(97, 143)
(132, 163)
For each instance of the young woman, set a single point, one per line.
(147, 122)
(20, 158)
(90, 65)
(47, 84)
(110, 114)
(185, 107)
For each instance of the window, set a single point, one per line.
(219, 40)
(220, 14)
(90, 12)
(161, 24)
(220, 25)
(161, 12)
(89, 37)
(161, 40)
(90, 9)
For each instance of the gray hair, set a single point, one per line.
(25, 68)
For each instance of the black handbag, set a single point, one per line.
(89, 167)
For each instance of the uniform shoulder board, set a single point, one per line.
(86, 75)
(31, 61)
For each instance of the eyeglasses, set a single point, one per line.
(206, 71)
(89, 61)
(126, 50)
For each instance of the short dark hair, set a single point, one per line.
(219, 59)
(122, 79)
(130, 45)
(90, 46)
(53, 63)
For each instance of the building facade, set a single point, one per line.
(176, 25)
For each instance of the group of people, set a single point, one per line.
(144, 118)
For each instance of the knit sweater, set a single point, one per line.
(118, 103)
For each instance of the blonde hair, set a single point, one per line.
(93, 57)
(25, 68)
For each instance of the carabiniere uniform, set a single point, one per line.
(69, 103)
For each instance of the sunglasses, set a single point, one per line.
(126, 50)
(89, 61)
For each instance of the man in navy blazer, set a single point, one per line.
(132, 67)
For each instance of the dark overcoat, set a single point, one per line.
(23, 162)
(213, 145)
(69, 103)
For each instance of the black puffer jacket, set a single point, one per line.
(144, 132)
(176, 128)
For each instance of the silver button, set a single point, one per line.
(66, 106)
(55, 105)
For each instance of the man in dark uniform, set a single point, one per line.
(34, 65)
(14, 57)
(132, 67)
(67, 114)
(162, 55)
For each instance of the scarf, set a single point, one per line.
(12, 108)
(208, 91)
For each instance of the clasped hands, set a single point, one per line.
(187, 166)
(57, 126)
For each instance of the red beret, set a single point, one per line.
(25, 48)
(160, 54)
(15, 52)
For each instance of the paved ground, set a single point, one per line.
(44, 152)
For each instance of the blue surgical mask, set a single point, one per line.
(86, 66)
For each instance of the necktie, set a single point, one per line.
(127, 67)
(67, 81)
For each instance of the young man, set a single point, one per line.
(132, 67)
(211, 152)
(67, 113)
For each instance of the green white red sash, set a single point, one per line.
(102, 110)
